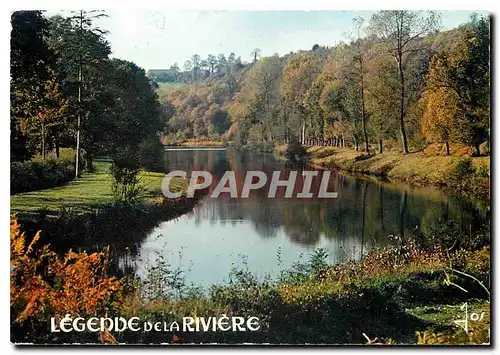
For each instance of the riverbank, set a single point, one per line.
(90, 190)
(419, 168)
(168, 141)
(404, 294)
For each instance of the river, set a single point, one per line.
(266, 235)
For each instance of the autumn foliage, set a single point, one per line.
(44, 285)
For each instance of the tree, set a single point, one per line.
(465, 70)
(400, 30)
(440, 110)
(81, 49)
(260, 95)
(211, 61)
(255, 53)
(188, 65)
(359, 59)
(382, 99)
(231, 60)
(136, 113)
(30, 62)
(196, 62)
(222, 64)
(49, 122)
(298, 75)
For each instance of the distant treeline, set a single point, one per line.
(198, 69)
(396, 80)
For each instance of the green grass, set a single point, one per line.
(90, 189)
(64, 154)
(447, 313)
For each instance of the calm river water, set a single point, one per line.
(269, 235)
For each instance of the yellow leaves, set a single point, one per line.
(440, 109)
(42, 284)
(108, 338)
(16, 239)
(33, 242)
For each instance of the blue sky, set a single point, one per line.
(157, 39)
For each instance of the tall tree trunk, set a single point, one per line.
(380, 148)
(56, 143)
(43, 141)
(89, 165)
(303, 131)
(77, 163)
(363, 112)
(477, 150)
(402, 106)
(447, 144)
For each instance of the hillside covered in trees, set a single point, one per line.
(396, 82)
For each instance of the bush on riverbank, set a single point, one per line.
(468, 179)
(37, 175)
(296, 153)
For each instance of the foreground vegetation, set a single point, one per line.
(406, 293)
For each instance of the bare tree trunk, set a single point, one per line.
(56, 143)
(380, 148)
(303, 131)
(89, 162)
(43, 141)
(447, 144)
(477, 150)
(363, 112)
(402, 106)
(77, 163)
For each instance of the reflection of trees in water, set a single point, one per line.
(364, 212)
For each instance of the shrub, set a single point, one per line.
(463, 169)
(151, 155)
(37, 175)
(466, 180)
(296, 152)
(125, 173)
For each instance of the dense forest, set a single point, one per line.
(66, 91)
(397, 81)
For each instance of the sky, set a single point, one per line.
(158, 39)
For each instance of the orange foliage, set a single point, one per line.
(43, 285)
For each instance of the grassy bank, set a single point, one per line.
(89, 190)
(175, 142)
(416, 168)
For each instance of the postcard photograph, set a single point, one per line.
(231, 177)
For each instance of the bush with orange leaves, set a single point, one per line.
(43, 285)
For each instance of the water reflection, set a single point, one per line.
(220, 231)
